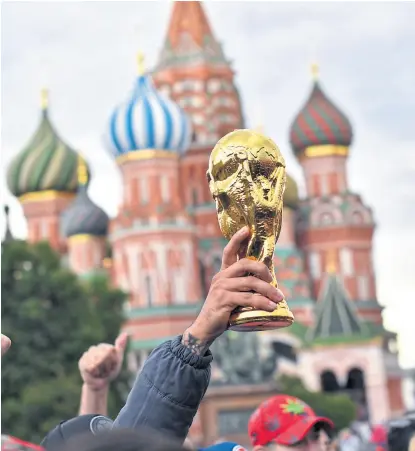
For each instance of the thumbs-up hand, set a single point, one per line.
(102, 364)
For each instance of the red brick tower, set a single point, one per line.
(333, 218)
(44, 178)
(289, 260)
(154, 245)
(193, 71)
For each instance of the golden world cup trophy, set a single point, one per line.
(246, 177)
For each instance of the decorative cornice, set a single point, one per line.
(82, 238)
(153, 228)
(146, 154)
(326, 150)
(41, 196)
(342, 342)
(166, 310)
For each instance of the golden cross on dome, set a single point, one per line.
(82, 171)
(44, 99)
(140, 63)
(315, 71)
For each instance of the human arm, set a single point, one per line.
(167, 392)
(98, 367)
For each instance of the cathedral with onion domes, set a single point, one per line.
(164, 245)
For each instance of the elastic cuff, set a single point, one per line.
(188, 357)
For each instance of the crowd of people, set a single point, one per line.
(170, 387)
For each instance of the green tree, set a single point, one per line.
(52, 317)
(338, 407)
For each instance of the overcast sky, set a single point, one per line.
(85, 54)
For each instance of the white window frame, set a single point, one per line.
(314, 263)
(214, 85)
(346, 261)
(179, 287)
(165, 188)
(148, 282)
(363, 289)
(324, 185)
(197, 119)
(44, 229)
(144, 191)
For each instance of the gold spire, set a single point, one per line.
(314, 71)
(44, 99)
(82, 171)
(331, 261)
(140, 63)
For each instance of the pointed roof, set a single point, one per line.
(190, 18)
(189, 38)
(336, 316)
(8, 236)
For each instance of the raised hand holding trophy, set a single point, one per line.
(246, 177)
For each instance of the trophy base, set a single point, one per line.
(245, 319)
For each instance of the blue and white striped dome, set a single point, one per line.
(148, 120)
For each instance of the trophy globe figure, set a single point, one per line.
(246, 177)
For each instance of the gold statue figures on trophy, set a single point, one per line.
(246, 177)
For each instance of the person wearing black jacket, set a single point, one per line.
(167, 392)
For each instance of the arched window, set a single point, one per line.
(214, 85)
(357, 217)
(329, 382)
(197, 119)
(355, 380)
(326, 219)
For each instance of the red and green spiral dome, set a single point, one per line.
(319, 123)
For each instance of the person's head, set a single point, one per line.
(284, 423)
(123, 440)
(66, 430)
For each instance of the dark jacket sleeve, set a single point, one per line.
(167, 391)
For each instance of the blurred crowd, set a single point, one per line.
(172, 383)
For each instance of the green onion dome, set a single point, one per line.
(291, 193)
(45, 164)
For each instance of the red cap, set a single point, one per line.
(379, 435)
(284, 420)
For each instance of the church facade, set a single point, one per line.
(164, 245)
